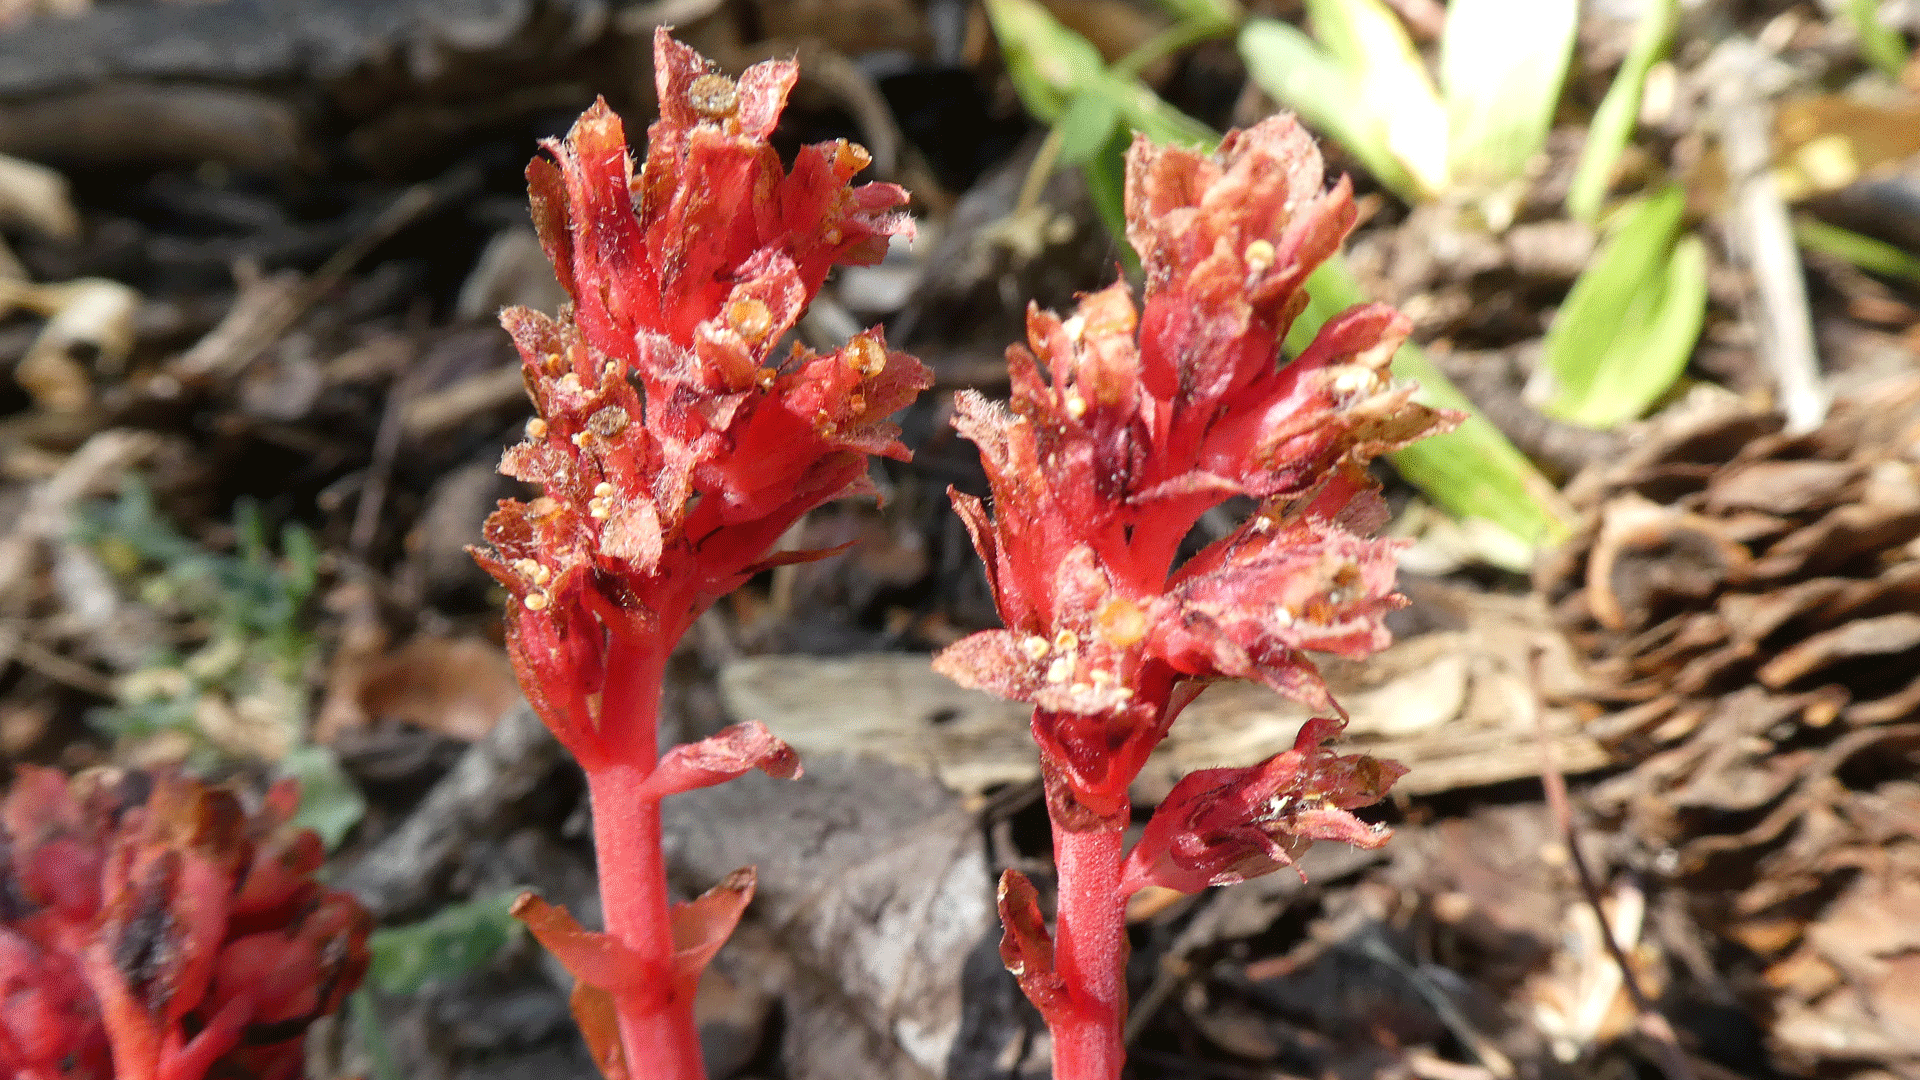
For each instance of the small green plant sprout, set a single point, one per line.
(1473, 137)
(1619, 113)
(232, 683)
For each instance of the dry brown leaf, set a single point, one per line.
(453, 686)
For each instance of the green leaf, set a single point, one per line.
(1106, 176)
(1394, 91)
(1472, 472)
(1050, 65)
(330, 803)
(1088, 125)
(1300, 75)
(1881, 44)
(1613, 123)
(1630, 322)
(1873, 256)
(364, 1015)
(453, 941)
(1225, 14)
(1502, 63)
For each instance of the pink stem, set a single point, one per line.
(1090, 955)
(656, 1027)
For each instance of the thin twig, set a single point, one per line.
(1760, 231)
(1653, 1024)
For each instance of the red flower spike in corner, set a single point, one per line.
(151, 929)
(674, 444)
(1125, 426)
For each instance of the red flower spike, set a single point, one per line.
(1125, 424)
(1223, 826)
(675, 442)
(162, 933)
(673, 445)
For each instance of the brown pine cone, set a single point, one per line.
(1747, 604)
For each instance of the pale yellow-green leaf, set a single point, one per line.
(1502, 64)
(1391, 83)
(1630, 322)
(1296, 72)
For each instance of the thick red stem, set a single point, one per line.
(656, 1026)
(1090, 955)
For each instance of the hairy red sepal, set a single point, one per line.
(673, 444)
(1222, 826)
(159, 931)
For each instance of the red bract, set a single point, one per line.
(150, 929)
(674, 446)
(1125, 426)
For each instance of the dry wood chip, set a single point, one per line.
(1783, 487)
(1751, 618)
(1885, 636)
(1894, 707)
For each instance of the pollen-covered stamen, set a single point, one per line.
(1035, 647)
(713, 96)
(1258, 256)
(866, 356)
(609, 421)
(1120, 623)
(1356, 380)
(536, 601)
(750, 318)
(536, 429)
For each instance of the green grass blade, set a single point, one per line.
(1224, 14)
(1873, 256)
(1613, 123)
(1296, 72)
(1472, 471)
(1050, 65)
(1392, 88)
(1502, 64)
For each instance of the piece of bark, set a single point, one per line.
(404, 872)
(877, 884)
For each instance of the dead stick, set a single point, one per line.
(1653, 1023)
